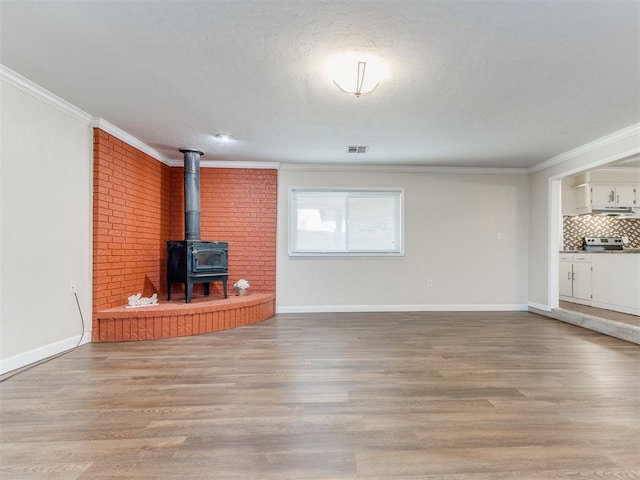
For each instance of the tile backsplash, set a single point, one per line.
(575, 228)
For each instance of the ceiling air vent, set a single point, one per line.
(357, 149)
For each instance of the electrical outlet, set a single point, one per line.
(499, 236)
(429, 283)
(72, 287)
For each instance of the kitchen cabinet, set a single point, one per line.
(582, 280)
(575, 277)
(616, 282)
(566, 276)
(583, 197)
(614, 195)
(603, 280)
(588, 196)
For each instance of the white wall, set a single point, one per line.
(545, 202)
(451, 226)
(45, 220)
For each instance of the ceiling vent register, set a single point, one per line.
(357, 149)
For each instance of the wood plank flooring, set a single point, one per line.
(602, 313)
(489, 396)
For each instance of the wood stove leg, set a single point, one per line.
(224, 287)
(169, 291)
(188, 291)
(206, 289)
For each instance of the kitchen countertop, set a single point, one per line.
(626, 250)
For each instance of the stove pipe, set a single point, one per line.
(191, 194)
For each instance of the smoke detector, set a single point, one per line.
(357, 148)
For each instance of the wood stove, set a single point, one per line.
(193, 260)
(197, 261)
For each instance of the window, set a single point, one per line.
(345, 222)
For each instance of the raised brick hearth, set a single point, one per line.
(179, 319)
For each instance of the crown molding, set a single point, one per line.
(27, 86)
(111, 129)
(588, 147)
(402, 169)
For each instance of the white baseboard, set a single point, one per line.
(41, 353)
(539, 306)
(401, 308)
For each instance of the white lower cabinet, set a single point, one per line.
(582, 280)
(603, 280)
(575, 277)
(616, 282)
(566, 276)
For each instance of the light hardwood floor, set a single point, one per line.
(334, 396)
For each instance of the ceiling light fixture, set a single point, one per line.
(223, 137)
(357, 73)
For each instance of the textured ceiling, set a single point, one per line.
(473, 84)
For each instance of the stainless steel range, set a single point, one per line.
(602, 244)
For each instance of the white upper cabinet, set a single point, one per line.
(583, 197)
(627, 195)
(588, 197)
(602, 195)
(613, 196)
(605, 191)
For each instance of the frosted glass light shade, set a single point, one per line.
(356, 73)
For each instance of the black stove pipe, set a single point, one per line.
(191, 194)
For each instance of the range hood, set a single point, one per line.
(611, 211)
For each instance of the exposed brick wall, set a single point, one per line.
(237, 206)
(131, 209)
(139, 205)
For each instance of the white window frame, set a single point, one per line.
(293, 229)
